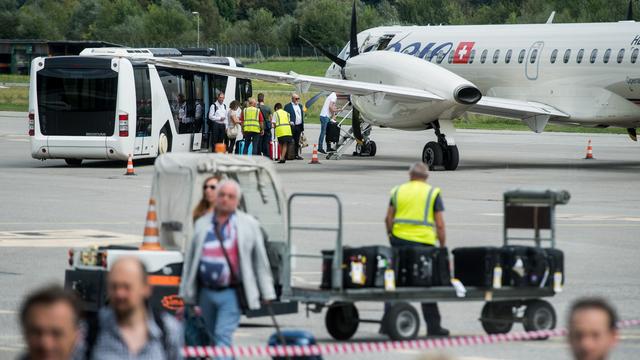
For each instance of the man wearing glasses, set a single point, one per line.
(296, 115)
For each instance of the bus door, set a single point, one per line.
(143, 142)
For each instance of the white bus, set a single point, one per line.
(107, 103)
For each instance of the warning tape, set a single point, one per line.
(377, 347)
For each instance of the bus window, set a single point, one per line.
(243, 90)
(218, 84)
(143, 101)
(77, 101)
(179, 88)
(198, 91)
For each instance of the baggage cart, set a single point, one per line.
(525, 210)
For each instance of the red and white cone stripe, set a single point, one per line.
(377, 347)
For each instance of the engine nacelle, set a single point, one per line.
(391, 68)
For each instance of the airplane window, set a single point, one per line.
(594, 56)
(496, 55)
(634, 55)
(521, 56)
(507, 57)
(534, 55)
(607, 55)
(483, 57)
(554, 55)
(580, 56)
(620, 56)
(451, 56)
(472, 55)
(369, 48)
(567, 56)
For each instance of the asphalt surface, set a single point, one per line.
(598, 230)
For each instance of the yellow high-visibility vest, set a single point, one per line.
(414, 218)
(251, 116)
(283, 128)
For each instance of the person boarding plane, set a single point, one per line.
(423, 77)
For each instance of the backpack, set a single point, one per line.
(93, 329)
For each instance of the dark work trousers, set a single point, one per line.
(218, 134)
(254, 139)
(430, 311)
(297, 131)
(265, 140)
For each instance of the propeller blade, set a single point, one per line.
(630, 10)
(315, 98)
(353, 36)
(326, 53)
(356, 125)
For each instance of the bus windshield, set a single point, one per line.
(77, 101)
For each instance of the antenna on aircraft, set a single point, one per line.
(630, 11)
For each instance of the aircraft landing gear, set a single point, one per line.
(444, 152)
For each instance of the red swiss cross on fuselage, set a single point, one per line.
(461, 56)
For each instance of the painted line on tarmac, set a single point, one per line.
(8, 312)
(64, 238)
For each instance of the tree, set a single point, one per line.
(168, 23)
(8, 19)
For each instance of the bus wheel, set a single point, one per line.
(164, 142)
(73, 162)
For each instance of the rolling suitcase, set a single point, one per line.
(333, 132)
(423, 266)
(365, 266)
(478, 266)
(327, 259)
(523, 266)
(239, 147)
(294, 337)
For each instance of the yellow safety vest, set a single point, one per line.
(283, 128)
(251, 116)
(414, 216)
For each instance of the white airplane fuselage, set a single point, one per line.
(506, 61)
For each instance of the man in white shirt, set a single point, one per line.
(217, 121)
(329, 109)
(296, 115)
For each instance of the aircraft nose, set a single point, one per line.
(467, 95)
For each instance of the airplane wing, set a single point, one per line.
(302, 81)
(534, 114)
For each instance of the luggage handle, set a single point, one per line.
(283, 341)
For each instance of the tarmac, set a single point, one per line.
(47, 207)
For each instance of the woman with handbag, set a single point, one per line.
(226, 268)
(234, 128)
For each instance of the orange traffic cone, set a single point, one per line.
(130, 166)
(220, 148)
(314, 156)
(151, 239)
(589, 151)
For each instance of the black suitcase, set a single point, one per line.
(375, 260)
(555, 260)
(423, 266)
(474, 266)
(523, 266)
(333, 132)
(327, 260)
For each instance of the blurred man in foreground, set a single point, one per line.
(593, 332)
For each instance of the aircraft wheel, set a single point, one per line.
(432, 154)
(451, 158)
(373, 148)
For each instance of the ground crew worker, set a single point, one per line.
(414, 218)
(252, 127)
(283, 131)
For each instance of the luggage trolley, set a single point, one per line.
(524, 210)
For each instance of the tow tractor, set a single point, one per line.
(177, 188)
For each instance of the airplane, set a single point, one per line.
(423, 77)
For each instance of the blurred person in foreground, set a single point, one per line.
(593, 331)
(50, 319)
(128, 328)
(208, 200)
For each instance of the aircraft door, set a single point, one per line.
(532, 64)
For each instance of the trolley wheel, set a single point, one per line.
(539, 315)
(73, 162)
(401, 321)
(497, 317)
(342, 320)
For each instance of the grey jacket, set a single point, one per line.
(254, 263)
